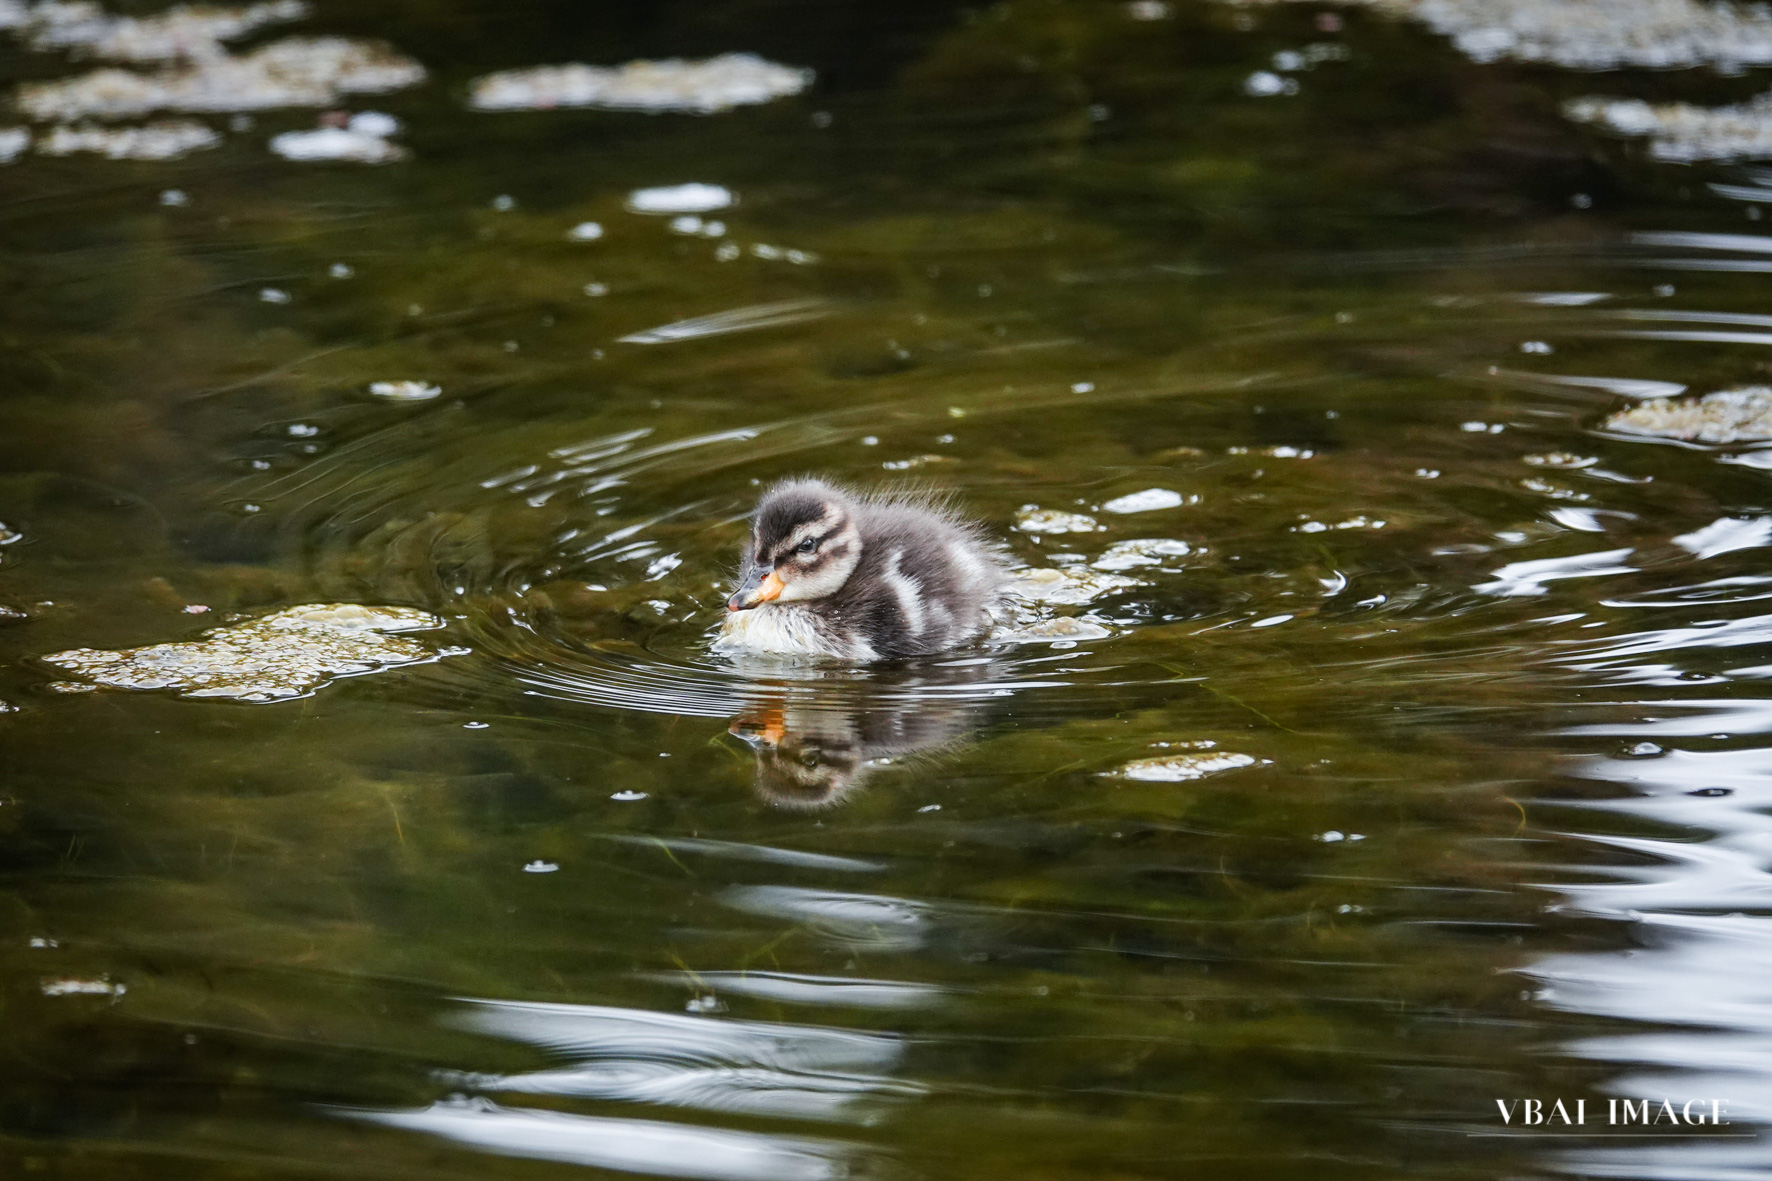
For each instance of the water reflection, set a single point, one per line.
(647, 1147)
(813, 753)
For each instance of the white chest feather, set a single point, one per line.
(780, 631)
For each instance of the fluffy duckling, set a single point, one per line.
(858, 578)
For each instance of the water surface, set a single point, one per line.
(1475, 805)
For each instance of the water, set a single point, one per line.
(1421, 764)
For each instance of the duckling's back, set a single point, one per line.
(924, 583)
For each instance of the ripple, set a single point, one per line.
(629, 1145)
(737, 1067)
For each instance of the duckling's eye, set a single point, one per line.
(808, 546)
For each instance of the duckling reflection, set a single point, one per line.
(814, 755)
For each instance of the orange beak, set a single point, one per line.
(764, 726)
(767, 590)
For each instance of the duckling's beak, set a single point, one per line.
(760, 585)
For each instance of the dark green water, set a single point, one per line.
(1045, 255)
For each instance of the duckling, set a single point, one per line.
(837, 574)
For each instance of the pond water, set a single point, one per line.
(1401, 757)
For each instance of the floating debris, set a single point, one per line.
(1598, 34)
(689, 198)
(182, 32)
(288, 654)
(362, 140)
(691, 87)
(1148, 551)
(405, 391)
(903, 465)
(584, 231)
(1682, 132)
(1728, 416)
(1561, 459)
(167, 139)
(69, 986)
(1063, 629)
(1064, 587)
(294, 72)
(1150, 500)
(1360, 522)
(1032, 519)
(1279, 452)
(1179, 768)
(13, 142)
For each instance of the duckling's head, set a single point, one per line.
(804, 763)
(804, 546)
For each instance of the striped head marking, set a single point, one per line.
(804, 545)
